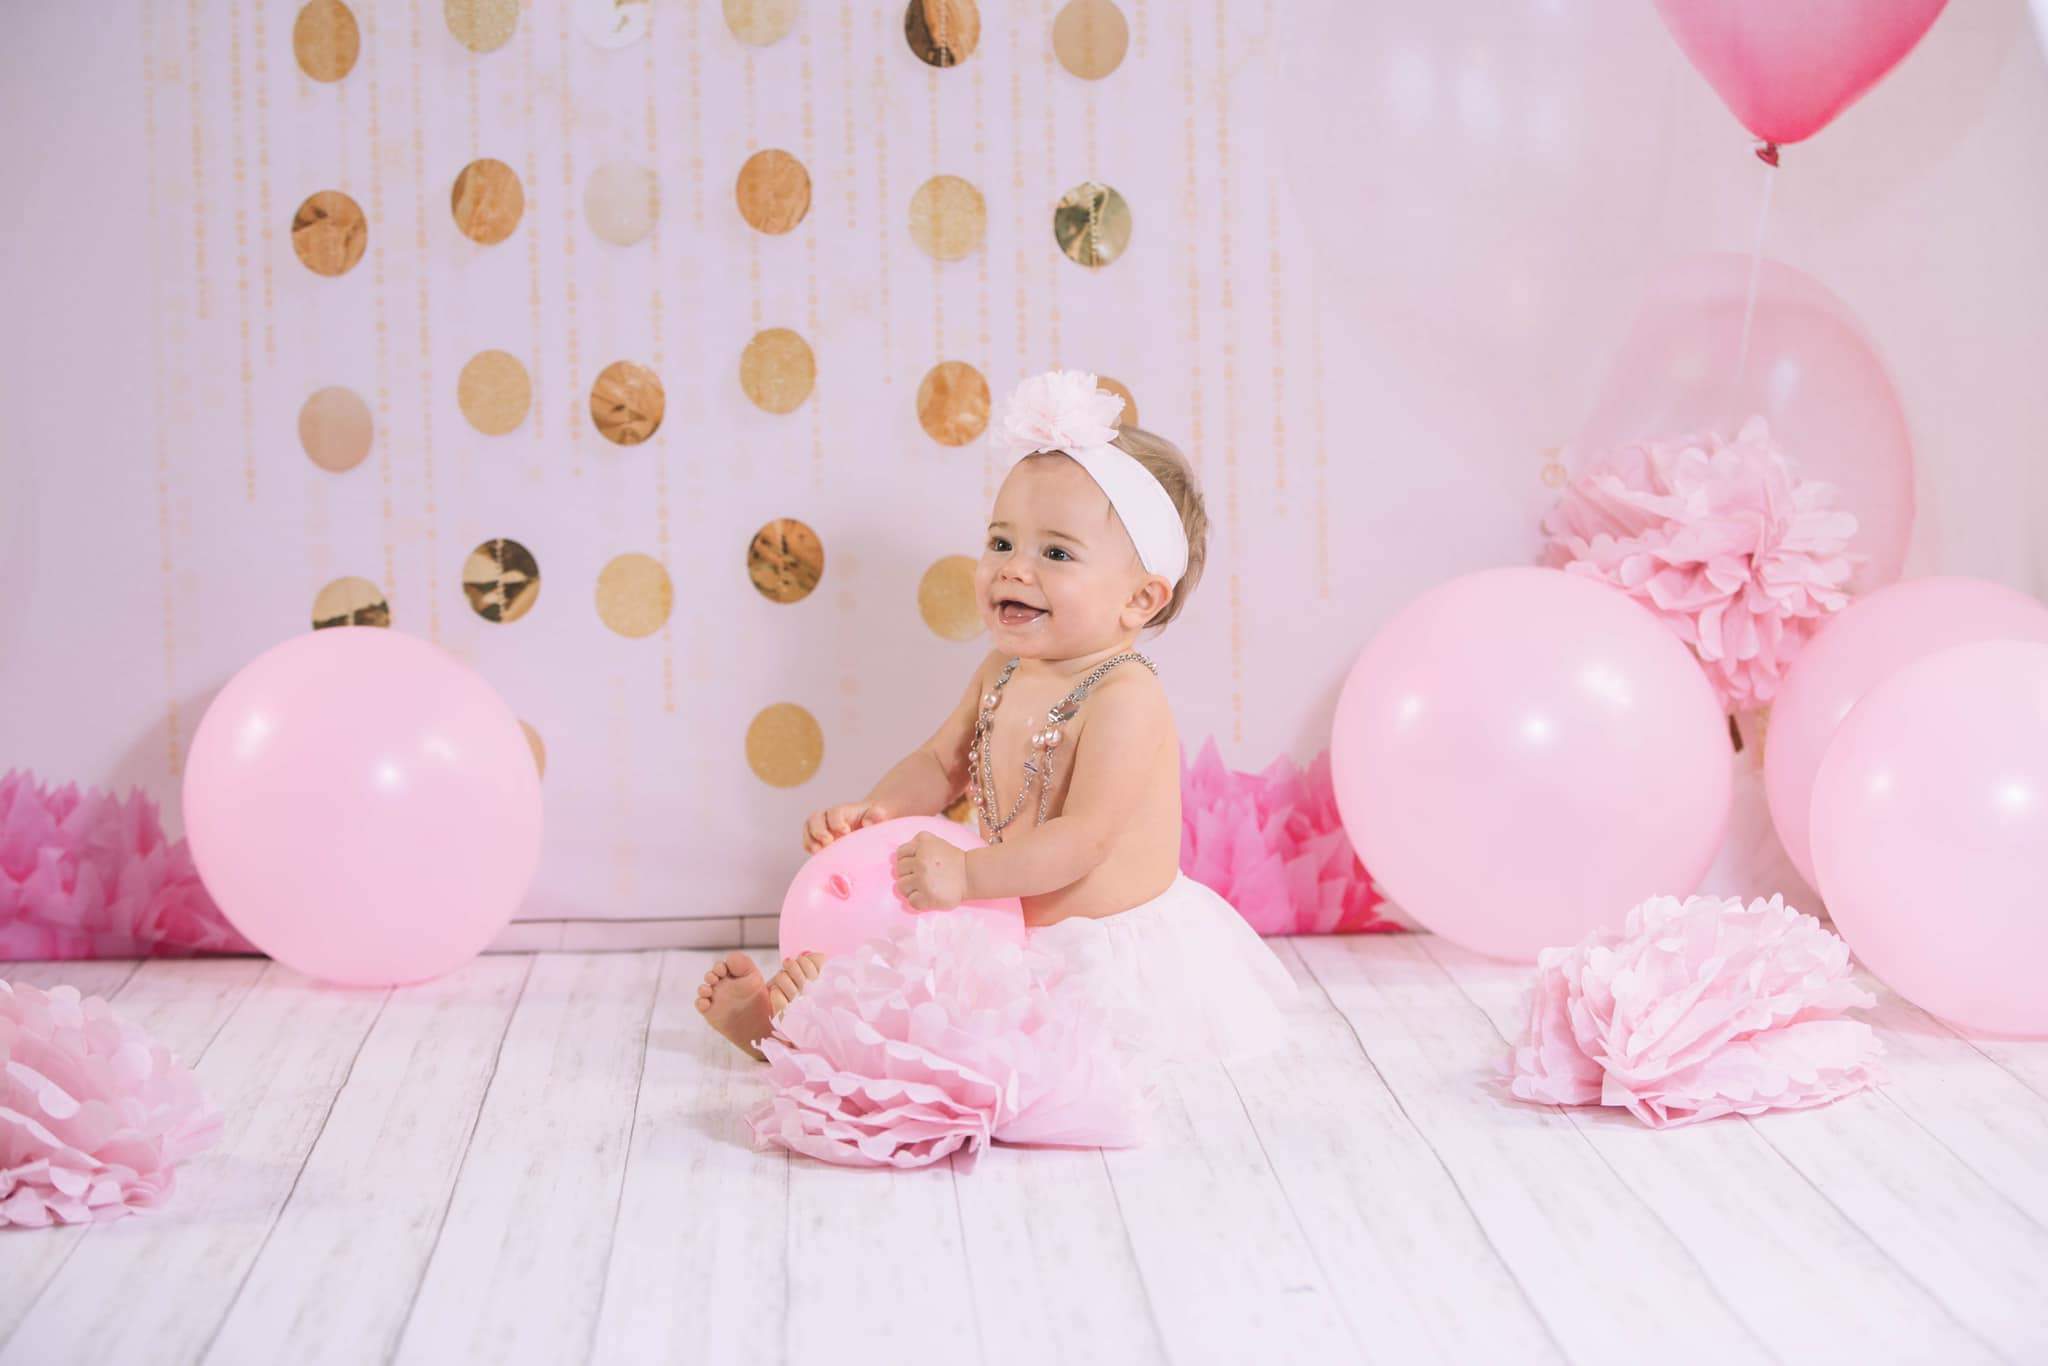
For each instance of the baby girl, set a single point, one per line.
(1066, 743)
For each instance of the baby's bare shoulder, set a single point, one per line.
(1130, 696)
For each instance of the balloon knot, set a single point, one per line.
(1767, 153)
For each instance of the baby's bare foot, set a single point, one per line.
(734, 1000)
(797, 973)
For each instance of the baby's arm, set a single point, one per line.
(1113, 760)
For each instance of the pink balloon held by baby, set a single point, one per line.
(845, 894)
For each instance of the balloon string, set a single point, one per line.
(1756, 266)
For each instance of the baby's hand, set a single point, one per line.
(931, 874)
(828, 825)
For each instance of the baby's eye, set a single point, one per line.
(998, 543)
(1057, 553)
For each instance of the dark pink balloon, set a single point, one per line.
(1787, 68)
(1809, 369)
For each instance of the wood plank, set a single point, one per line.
(182, 1005)
(876, 1268)
(1054, 1276)
(1386, 1222)
(1601, 1269)
(519, 1268)
(1978, 1110)
(696, 1270)
(337, 1276)
(2025, 1059)
(274, 1069)
(1224, 1259)
(1945, 1225)
(1805, 1279)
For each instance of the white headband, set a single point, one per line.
(1062, 410)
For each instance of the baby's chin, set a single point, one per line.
(1035, 639)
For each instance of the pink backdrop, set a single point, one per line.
(162, 525)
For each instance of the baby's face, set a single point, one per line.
(1059, 577)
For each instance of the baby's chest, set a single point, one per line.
(1022, 751)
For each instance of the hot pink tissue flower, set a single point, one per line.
(94, 1115)
(1697, 1009)
(84, 875)
(943, 1038)
(1740, 559)
(1274, 847)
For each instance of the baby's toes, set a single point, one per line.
(808, 964)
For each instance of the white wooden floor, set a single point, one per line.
(540, 1159)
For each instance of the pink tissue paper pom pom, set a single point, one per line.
(1273, 846)
(1743, 561)
(1060, 410)
(94, 1115)
(89, 876)
(1697, 1009)
(941, 1038)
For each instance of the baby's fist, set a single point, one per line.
(931, 874)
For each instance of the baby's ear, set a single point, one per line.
(1152, 595)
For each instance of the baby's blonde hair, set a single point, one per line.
(1173, 472)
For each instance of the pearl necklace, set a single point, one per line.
(981, 768)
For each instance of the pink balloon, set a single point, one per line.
(363, 806)
(1521, 755)
(1870, 641)
(1930, 833)
(1809, 370)
(845, 894)
(1788, 68)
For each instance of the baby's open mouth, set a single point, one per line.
(1011, 612)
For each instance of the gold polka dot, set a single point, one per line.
(627, 402)
(952, 403)
(330, 233)
(942, 32)
(482, 25)
(621, 201)
(1090, 38)
(613, 23)
(494, 392)
(335, 429)
(540, 750)
(501, 580)
(760, 22)
(948, 217)
(487, 201)
(785, 560)
(774, 191)
(784, 745)
(1129, 416)
(326, 40)
(634, 595)
(777, 370)
(946, 601)
(1092, 224)
(350, 602)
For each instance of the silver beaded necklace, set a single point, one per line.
(981, 768)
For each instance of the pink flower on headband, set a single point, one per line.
(1060, 410)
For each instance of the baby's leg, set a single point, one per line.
(742, 1005)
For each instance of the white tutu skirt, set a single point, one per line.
(943, 1037)
(1204, 984)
